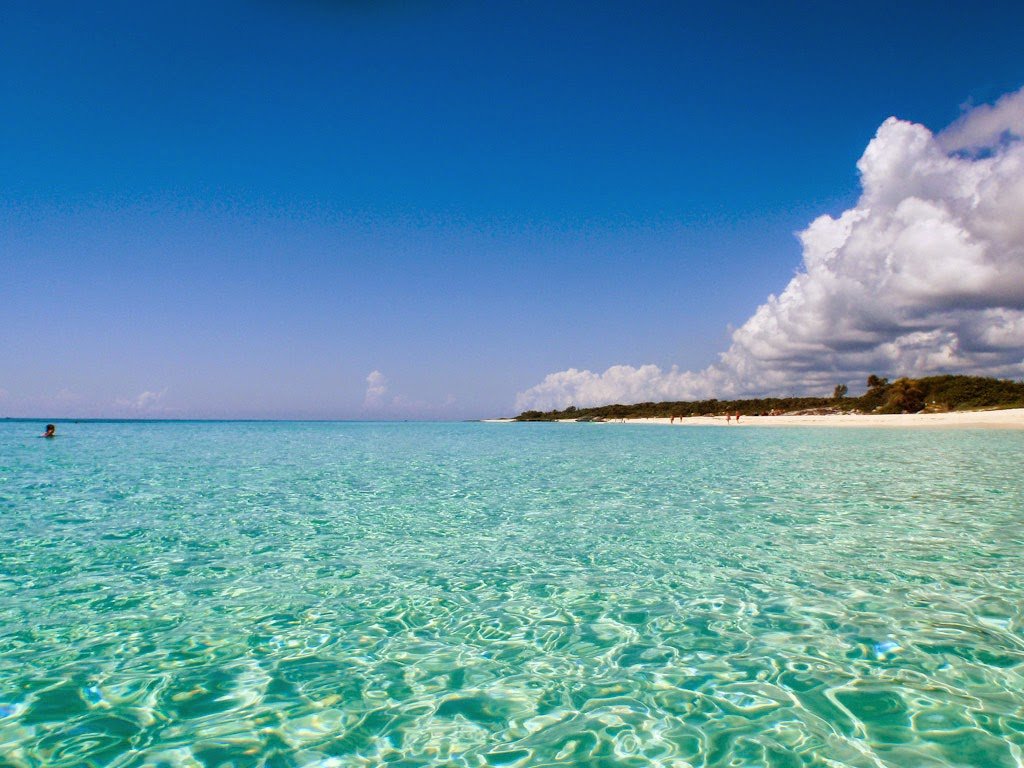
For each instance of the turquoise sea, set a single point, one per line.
(350, 594)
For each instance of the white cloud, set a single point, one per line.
(986, 125)
(380, 404)
(376, 388)
(144, 403)
(66, 397)
(924, 275)
(619, 384)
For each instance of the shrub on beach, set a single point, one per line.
(903, 396)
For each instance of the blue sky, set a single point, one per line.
(244, 209)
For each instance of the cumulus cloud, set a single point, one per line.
(144, 403)
(380, 402)
(924, 275)
(376, 388)
(986, 125)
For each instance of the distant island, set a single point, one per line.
(931, 394)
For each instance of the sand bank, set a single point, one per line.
(1012, 418)
(1009, 418)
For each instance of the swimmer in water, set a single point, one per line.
(51, 431)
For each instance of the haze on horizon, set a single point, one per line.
(341, 210)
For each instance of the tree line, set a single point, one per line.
(904, 395)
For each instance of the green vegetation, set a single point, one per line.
(932, 393)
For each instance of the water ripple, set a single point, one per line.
(535, 595)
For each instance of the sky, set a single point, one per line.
(358, 210)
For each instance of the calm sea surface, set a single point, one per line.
(325, 594)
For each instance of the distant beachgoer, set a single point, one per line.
(672, 420)
(728, 417)
(51, 431)
(737, 417)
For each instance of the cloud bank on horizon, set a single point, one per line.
(924, 275)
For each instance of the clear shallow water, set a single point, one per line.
(196, 594)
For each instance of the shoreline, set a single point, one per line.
(1009, 418)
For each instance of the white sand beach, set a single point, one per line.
(1008, 418)
(1011, 418)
